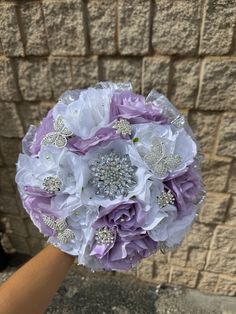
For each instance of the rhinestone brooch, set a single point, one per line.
(112, 174)
(52, 184)
(123, 127)
(59, 137)
(160, 162)
(63, 233)
(165, 199)
(104, 236)
(179, 121)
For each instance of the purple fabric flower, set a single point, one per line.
(188, 190)
(45, 127)
(131, 243)
(132, 107)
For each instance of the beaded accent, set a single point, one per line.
(52, 184)
(104, 235)
(123, 127)
(59, 137)
(165, 199)
(179, 121)
(159, 161)
(63, 233)
(112, 174)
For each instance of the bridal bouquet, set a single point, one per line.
(111, 176)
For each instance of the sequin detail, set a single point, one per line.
(179, 121)
(104, 236)
(166, 198)
(160, 162)
(112, 174)
(60, 227)
(52, 184)
(123, 127)
(57, 138)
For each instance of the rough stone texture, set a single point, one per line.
(215, 174)
(176, 26)
(10, 32)
(34, 30)
(175, 47)
(10, 124)
(8, 87)
(218, 27)
(184, 276)
(217, 86)
(65, 27)
(204, 126)
(125, 69)
(184, 86)
(34, 80)
(134, 27)
(214, 208)
(227, 135)
(102, 26)
(155, 74)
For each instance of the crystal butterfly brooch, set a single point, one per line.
(57, 138)
(60, 227)
(159, 161)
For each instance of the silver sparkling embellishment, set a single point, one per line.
(179, 121)
(52, 184)
(159, 161)
(59, 137)
(104, 236)
(165, 199)
(123, 127)
(60, 227)
(112, 174)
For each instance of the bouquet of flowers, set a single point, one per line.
(111, 176)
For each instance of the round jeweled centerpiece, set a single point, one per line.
(112, 174)
(52, 184)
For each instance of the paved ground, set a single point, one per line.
(84, 292)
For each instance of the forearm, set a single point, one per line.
(32, 287)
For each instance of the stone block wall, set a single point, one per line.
(185, 49)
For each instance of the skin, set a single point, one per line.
(31, 288)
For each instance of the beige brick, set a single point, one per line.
(224, 239)
(122, 70)
(6, 184)
(34, 30)
(227, 135)
(179, 256)
(133, 21)
(35, 245)
(34, 80)
(45, 106)
(226, 286)
(218, 88)
(160, 258)
(232, 179)
(221, 263)
(17, 226)
(30, 112)
(215, 174)
(8, 86)
(161, 273)
(176, 26)
(20, 244)
(207, 281)
(102, 26)
(60, 75)
(155, 74)
(199, 236)
(65, 27)
(84, 72)
(8, 204)
(145, 269)
(185, 83)
(183, 276)
(218, 26)
(10, 124)
(9, 31)
(10, 148)
(214, 208)
(204, 126)
(196, 258)
(231, 214)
